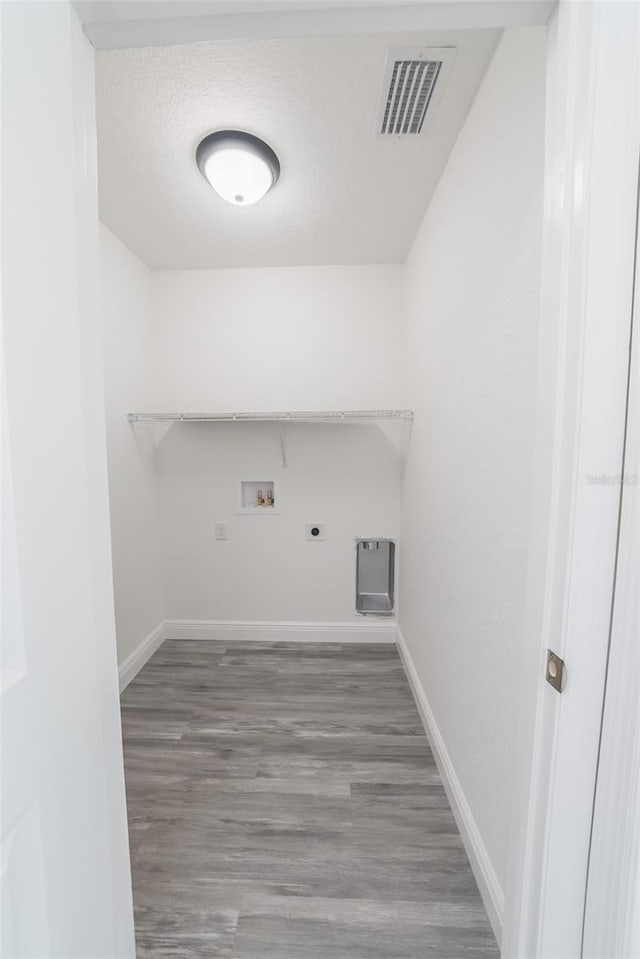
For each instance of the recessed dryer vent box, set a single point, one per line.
(375, 566)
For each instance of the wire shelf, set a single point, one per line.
(278, 416)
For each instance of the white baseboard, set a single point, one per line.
(371, 631)
(485, 875)
(134, 662)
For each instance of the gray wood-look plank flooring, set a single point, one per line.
(284, 804)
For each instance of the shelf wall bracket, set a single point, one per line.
(407, 427)
(283, 445)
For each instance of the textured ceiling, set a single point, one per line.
(344, 196)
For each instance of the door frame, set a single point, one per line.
(579, 420)
(591, 180)
(612, 914)
(66, 883)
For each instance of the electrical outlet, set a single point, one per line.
(222, 530)
(314, 531)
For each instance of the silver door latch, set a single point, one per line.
(556, 672)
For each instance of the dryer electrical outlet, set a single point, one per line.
(314, 531)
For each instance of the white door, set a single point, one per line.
(591, 184)
(65, 874)
(24, 914)
(612, 913)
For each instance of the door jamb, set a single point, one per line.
(592, 140)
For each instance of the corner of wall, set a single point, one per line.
(485, 875)
(470, 321)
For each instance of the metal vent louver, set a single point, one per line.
(411, 80)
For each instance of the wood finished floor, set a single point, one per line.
(284, 804)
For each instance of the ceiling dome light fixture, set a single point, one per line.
(240, 167)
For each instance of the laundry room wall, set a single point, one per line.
(133, 484)
(319, 337)
(472, 294)
(324, 338)
(345, 478)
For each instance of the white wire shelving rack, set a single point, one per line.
(281, 418)
(275, 416)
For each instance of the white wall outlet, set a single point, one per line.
(314, 531)
(222, 530)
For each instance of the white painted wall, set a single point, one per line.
(280, 338)
(133, 487)
(472, 290)
(66, 888)
(346, 477)
(298, 338)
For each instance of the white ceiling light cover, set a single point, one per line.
(240, 167)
